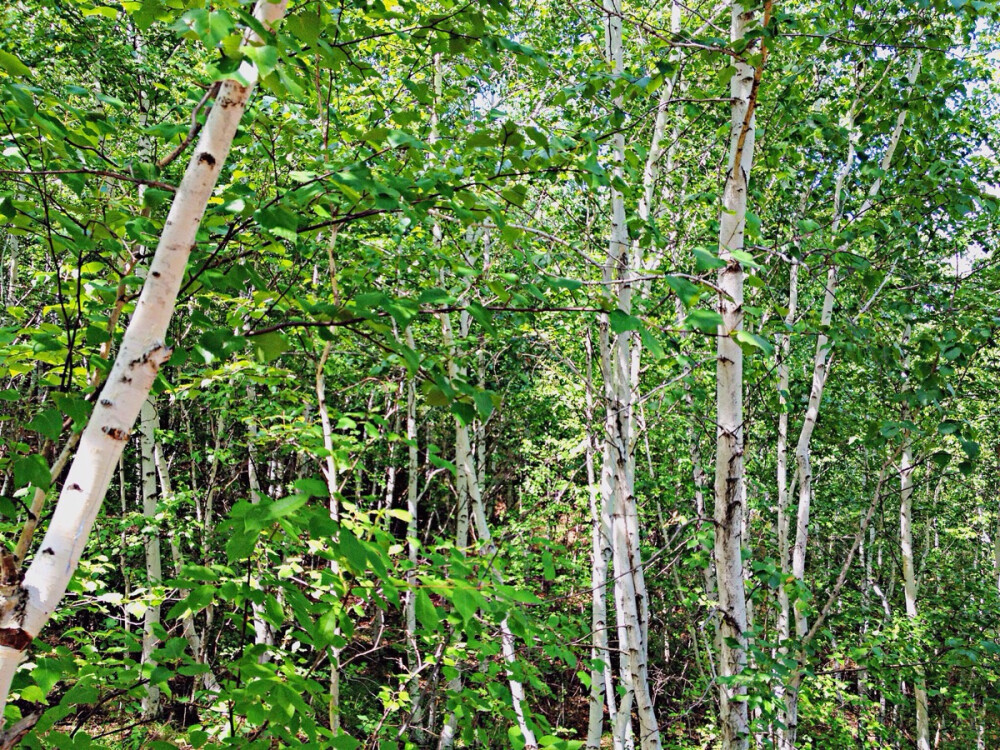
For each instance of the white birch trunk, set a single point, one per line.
(784, 352)
(330, 473)
(488, 551)
(996, 539)
(803, 453)
(469, 485)
(413, 544)
(729, 492)
(631, 598)
(601, 678)
(24, 612)
(154, 570)
(12, 250)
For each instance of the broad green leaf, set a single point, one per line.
(10, 63)
(622, 321)
(33, 470)
(426, 611)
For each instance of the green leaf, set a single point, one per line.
(74, 407)
(466, 413)
(352, 550)
(949, 427)
(684, 289)
(274, 613)
(970, 447)
(198, 573)
(344, 742)
(154, 198)
(749, 341)
(285, 507)
(279, 222)
(706, 321)
(941, 458)
(466, 601)
(548, 566)
(707, 261)
(14, 66)
(305, 26)
(47, 423)
(32, 470)
(745, 258)
(482, 316)
(652, 344)
(264, 57)
(269, 346)
(622, 321)
(327, 627)
(241, 543)
(484, 403)
(426, 611)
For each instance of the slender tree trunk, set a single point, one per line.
(631, 598)
(601, 677)
(469, 486)
(154, 571)
(11, 288)
(784, 352)
(413, 549)
(819, 376)
(25, 611)
(996, 536)
(330, 473)
(488, 551)
(729, 480)
(263, 631)
(909, 574)
(188, 628)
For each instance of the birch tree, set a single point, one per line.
(143, 350)
(730, 496)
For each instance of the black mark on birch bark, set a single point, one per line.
(115, 433)
(15, 638)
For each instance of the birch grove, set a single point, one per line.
(610, 375)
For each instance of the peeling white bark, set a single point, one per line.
(143, 351)
(412, 543)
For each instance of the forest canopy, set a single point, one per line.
(499, 374)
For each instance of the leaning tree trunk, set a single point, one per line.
(729, 492)
(25, 608)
